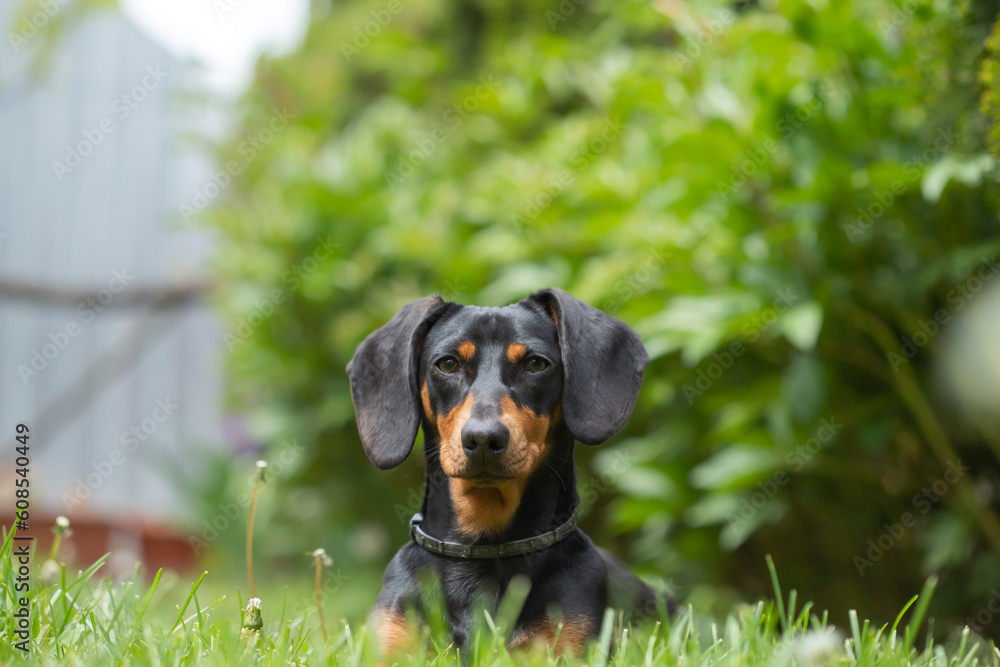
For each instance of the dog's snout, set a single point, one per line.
(484, 439)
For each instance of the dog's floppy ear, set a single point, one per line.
(602, 359)
(383, 375)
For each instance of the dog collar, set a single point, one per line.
(503, 550)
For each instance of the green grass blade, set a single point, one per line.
(604, 643)
(856, 634)
(511, 605)
(180, 615)
(777, 591)
(145, 605)
(902, 611)
(919, 612)
(793, 597)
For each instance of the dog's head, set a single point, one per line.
(494, 383)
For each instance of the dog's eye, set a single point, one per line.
(536, 365)
(448, 365)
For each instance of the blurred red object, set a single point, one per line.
(130, 541)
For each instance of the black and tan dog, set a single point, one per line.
(501, 394)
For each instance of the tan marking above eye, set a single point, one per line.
(516, 351)
(466, 349)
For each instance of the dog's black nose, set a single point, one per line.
(484, 439)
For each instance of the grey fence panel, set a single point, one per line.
(109, 92)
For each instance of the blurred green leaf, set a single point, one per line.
(802, 323)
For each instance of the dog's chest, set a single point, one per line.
(470, 588)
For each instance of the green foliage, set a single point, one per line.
(989, 76)
(781, 197)
(78, 620)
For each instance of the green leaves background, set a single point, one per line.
(806, 181)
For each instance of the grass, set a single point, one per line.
(80, 619)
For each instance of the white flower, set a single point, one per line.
(817, 645)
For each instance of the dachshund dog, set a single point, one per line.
(501, 395)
